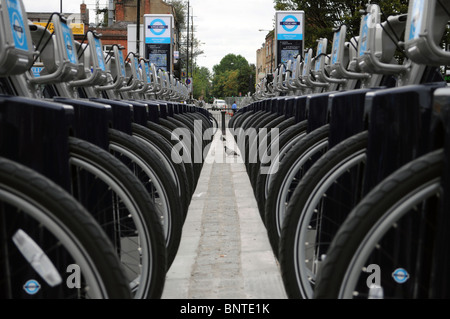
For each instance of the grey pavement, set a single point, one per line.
(224, 251)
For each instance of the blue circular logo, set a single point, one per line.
(290, 26)
(31, 287)
(156, 25)
(400, 275)
(18, 28)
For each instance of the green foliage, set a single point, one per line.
(194, 50)
(230, 62)
(201, 83)
(233, 76)
(180, 12)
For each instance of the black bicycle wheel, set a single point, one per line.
(45, 232)
(239, 120)
(158, 183)
(319, 205)
(175, 165)
(122, 206)
(278, 128)
(292, 134)
(383, 249)
(291, 169)
(186, 153)
(195, 150)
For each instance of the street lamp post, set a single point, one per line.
(138, 26)
(187, 45)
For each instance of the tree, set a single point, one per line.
(201, 83)
(230, 62)
(233, 76)
(180, 7)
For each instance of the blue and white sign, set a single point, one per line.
(17, 23)
(158, 28)
(290, 25)
(159, 40)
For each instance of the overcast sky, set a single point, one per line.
(223, 26)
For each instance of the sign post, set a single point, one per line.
(289, 35)
(158, 40)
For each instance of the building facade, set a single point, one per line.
(265, 57)
(114, 30)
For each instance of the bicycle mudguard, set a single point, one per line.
(346, 113)
(91, 120)
(34, 133)
(399, 125)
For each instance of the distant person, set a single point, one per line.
(234, 107)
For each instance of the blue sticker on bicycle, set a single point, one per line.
(122, 64)
(147, 71)
(334, 56)
(319, 57)
(32, 287)
(364, 35)
(400, 275)
(99, 52)
(17, 24)
(37, 71)
(294, 69)
(305, 64)
(416, 19)
(68, 43)
(136, 67)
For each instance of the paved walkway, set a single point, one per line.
(224, 251)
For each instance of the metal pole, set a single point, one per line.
(138, 26)
(223, 121)
(187, 46)
(192, 54)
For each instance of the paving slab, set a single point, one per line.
(224, 252)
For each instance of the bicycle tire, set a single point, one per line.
(303, 238)
(150, 170)
(172, 124)
(251, 146)
(176, 166)
(281, 127)
(167, 136)
(379, 213)
(291, 169)
(239, 120)
(262, 140)
(64, 227)
(140, 217)
(297, 130)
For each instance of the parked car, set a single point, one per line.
(219, 104)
